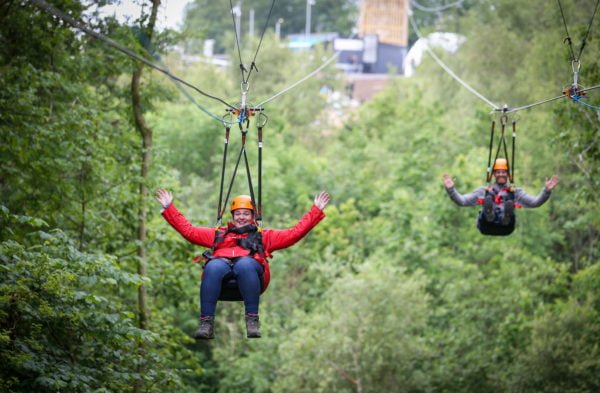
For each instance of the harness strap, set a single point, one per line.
(259, 201)
(220, 207)
(498, 199)
(488, 175)
(502, 145)
(511, 172)
(253, 242)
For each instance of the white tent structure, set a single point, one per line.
(447, 41)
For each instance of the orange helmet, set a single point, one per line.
(501, 163)
(242, 202)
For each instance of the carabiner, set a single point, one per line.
(575, 71)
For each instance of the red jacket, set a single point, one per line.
(273, 239)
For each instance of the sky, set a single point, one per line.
(170, 13)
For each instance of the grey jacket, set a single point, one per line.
(521, 197)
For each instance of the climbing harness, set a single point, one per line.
(504, 194)
(498, 196)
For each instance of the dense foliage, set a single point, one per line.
(395, 290)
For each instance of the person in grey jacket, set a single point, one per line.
(498, 200)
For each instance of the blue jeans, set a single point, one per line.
(246, 271)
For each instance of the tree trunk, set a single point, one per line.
(146, 134)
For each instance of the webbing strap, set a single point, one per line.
(237, 164)
(511, 173)
(488, 175)
(502, 145)
(249, 176)
(220, 207)
(257, 203)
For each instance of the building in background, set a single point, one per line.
(379, 49)
(383, 26)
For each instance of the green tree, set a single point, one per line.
(62, 327)
(364, 337)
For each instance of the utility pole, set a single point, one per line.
(309, 4)
(237, 13)
(251, 25)
(278, 27)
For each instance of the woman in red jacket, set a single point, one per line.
(237, 266)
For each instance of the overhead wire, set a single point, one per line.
(479, 95)
(152, 51)
(237, 42)
(246, 78)
(418, 6)
(253, 65)
(568, 38)
(588, 30)
(79, 25)
(313, 73)
(449, 71)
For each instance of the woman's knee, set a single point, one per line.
(247, 264)
(216, 267)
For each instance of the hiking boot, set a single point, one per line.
(207, 328)
(488, 208)
(509, 212)
(252, 326)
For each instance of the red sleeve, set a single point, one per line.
(279, 239)
(198, 235)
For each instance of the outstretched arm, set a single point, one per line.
(461, 200)
(279, 239)
(538, 200)
(197, 235)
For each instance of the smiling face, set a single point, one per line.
(501, 176)
(242, 217)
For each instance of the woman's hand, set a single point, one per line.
(164, 197)
(321, 200)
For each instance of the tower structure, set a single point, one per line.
(387, 19)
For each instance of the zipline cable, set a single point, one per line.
(495, 107)
(237, 42)
(199, 106)
(253, 65)
(243, 70)
(568, 39)
(435, 9)
(325, 64)
(520, 108)
(154, 53)
(449, 71)
(588, 30)
(59, 14)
